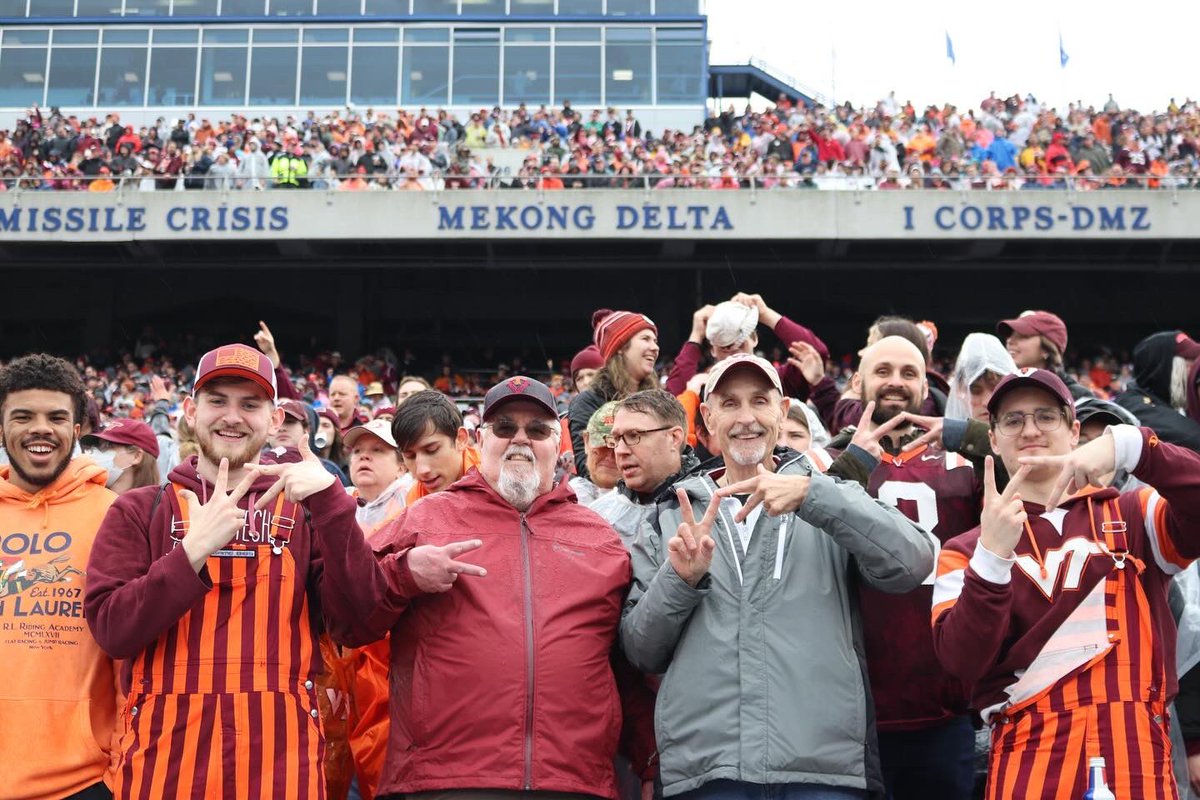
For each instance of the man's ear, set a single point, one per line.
(856, 383)
(462, 439)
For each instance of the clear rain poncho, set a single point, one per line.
(980, 353)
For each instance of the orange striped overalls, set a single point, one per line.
(224, 703)
(1113, 706)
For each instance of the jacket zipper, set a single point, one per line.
(526, 568)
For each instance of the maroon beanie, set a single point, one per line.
(587, 358)
(612, 329)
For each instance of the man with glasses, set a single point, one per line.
(649, 439)
(1055, 608)
(501, 681)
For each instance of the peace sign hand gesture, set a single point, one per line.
(1003, 519)
(690, 550)
(298, 481)
(213, 524)
(435, 569)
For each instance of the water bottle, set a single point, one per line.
(1097, 785)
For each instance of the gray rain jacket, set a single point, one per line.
(765, 674)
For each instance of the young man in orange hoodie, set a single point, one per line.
(58, 699)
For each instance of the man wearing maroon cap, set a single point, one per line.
(1039, 339)
(1162, 364)
(505, 674)
(211, 597)
(1055, 608)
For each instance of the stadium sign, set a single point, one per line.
(595, 214)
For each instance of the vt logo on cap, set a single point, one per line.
(1025, 372)
(518, 384)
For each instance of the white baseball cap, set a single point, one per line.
(380, 428)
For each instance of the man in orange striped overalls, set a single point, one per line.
(215, 598)
(1057, 613)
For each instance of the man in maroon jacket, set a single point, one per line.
(501, 681)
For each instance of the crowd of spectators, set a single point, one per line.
(1005, 144)
(124, 385)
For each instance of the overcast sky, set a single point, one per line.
(859, 51)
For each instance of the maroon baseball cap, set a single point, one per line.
(129, 431)
(296, 410)
(236, 361)
(1037, 378)
(331, 415)
(1186, 346)
(1036, 323)
(519, 387)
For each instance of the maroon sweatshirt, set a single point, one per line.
(687, 362)
(993, 617)
(140, 583)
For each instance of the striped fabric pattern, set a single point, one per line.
(223, 705)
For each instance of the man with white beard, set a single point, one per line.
(504, 674)
(751, 615)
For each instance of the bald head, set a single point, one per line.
(892, 374)
(343, 397)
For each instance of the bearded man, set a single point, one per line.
(505, 674)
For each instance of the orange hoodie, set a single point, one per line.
(58, 698)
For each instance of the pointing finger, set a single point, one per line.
(1014, 483)
(462, 568)
(243, 486)
(456, 549)
(262, 326)
(888, 426)
(221, 486)
(989, 479)
(1065, 481)
(751, 503)
(269, 495)
(868, 412)
(925, 438)
(685, 507)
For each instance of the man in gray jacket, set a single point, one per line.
(752, 616)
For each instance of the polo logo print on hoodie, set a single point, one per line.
(28, 586)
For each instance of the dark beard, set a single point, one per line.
(881, 415)
(43, 482)
(236, 461)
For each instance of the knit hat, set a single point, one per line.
(587, 358)
(612, 329)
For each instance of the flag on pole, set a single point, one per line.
(1063, 58)
(950, 49)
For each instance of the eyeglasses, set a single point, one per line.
(632, 438)
(507, 429)
(1044, 419)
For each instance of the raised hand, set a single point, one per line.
(766, 315)
(213, 524)
(691, 548)
(298, 481)
(1002, 521)
(158, 389)
(869, 436)
(266, 342)
(778, 494)
(700, 323)
(435, 568)
(1084, 466)
(805, 358)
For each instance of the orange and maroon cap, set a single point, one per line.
(236, 361)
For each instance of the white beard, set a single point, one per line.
(519, 485)
(747, 458)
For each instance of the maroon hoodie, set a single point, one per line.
(140, 583)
